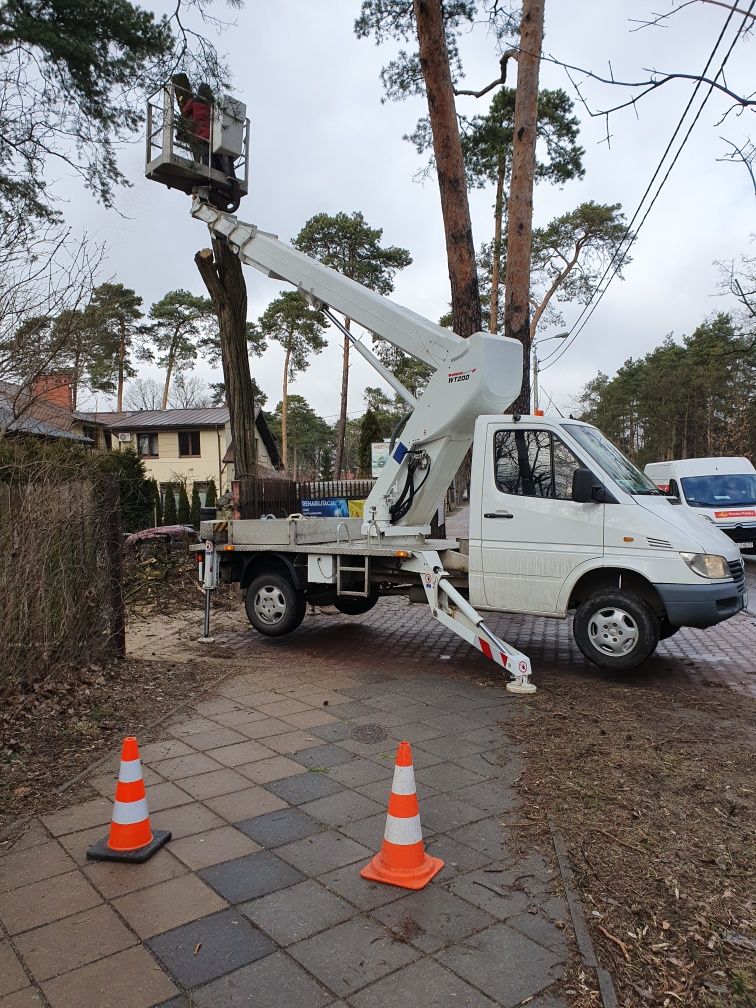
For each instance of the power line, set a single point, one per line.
(615, 263)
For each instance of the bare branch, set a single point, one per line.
(659, 18)
(745, 154)
(502, 78)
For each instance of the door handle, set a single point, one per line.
(498, 514)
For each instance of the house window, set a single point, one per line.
(147, 445)
(189, 443)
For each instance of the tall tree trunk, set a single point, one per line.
(450, 167)
(285, 412)
(221, 272)
(167, 383)
(169, 367)
(493, 320)
(121, 363)
(520, 224)
(341, 426)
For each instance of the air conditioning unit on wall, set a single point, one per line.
(124, 437)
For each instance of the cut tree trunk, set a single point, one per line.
(341, 426)
(520, 225)
(450, 167)
(221, 272)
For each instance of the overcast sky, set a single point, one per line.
(322, 141)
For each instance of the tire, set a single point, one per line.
(274, 607)
(616, 630)
(355, 606)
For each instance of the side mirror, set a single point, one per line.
(585, 488)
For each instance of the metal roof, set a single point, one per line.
(28, 424)
(173, 419)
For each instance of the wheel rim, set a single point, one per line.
(270, 605)
(613, 631)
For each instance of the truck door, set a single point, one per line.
(533, 535)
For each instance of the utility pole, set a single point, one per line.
(520, 227)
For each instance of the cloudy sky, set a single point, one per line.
(323, 141)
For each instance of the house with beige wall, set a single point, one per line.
(189, 445)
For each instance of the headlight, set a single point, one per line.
(707, 564)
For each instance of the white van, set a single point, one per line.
(719, 490)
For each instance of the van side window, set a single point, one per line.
(533, 463)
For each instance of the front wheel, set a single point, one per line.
(274, 607)
(616, 630)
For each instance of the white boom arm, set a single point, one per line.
(481, 374)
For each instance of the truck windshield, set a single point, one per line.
(612, 461)
(720, 491)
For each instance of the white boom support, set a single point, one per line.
(481, 374)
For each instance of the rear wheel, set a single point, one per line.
(274, 606)
(354, 606)
(616, 630)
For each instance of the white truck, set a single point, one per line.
(721, 491)
(560, 521)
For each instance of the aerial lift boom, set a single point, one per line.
(472, 376)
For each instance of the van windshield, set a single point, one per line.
(720, 491)
(612, 461)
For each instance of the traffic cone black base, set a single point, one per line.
(101, 852)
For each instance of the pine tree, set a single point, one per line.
(211, 494)
(184, 511)
(370, 431)
(169, 506)
(194, 513)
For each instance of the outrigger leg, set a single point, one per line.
(453, 611)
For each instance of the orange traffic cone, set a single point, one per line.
(402, 860)
(130, 837)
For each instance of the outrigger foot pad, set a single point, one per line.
(521, 686)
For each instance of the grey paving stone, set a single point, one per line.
(458, 858)
(443, 813)
(359, 771)
(452, 747)
(418, 731)
(323, 852)
(331, 732)
(367, 895)
(352, 954)
(533, 926)
(432, 918)
(490, 735)
(347, 806)
(180, 1001)
(503, 963)
(380, 790)
(367, 831)
(485, 889)
(487, 835)
(456, 724)
(298, 912)
(323, 756)
(226, 941)
(304, 787)
(274, 982)
(423, 984)
(283, 826)
(448, 777)
(350, 711)
(491, 796)
(250, 876)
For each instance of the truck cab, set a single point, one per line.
(561, 521)
(720, 491)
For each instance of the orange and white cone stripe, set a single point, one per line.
(130, 825)
(402, 860)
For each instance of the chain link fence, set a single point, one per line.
(61, 597)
